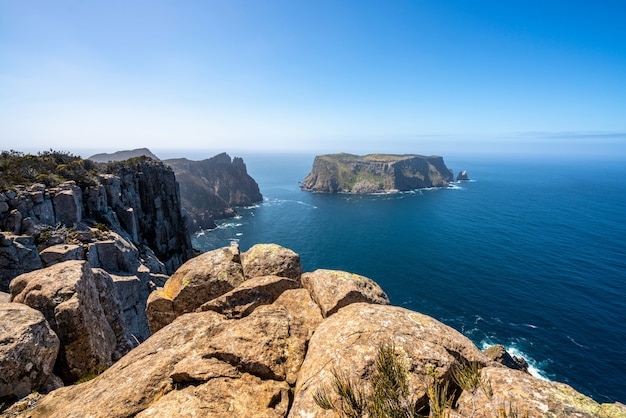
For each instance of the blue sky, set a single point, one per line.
(357, 76)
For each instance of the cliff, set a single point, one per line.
(375, 173)
(210, 189)
(124, 219)
(248, 334)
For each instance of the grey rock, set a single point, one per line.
(18, 255)
(59, 253)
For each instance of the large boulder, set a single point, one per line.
(67, 295)
(199, 280)
(271, 259)
(334, 289)
(28, 350)
(246, 297)
(347, 342)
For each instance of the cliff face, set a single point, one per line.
(211, 188)
(248, 334)
(376, 173)
(137, 200)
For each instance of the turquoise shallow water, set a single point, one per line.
(529, 254)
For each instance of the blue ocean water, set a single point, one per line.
(530, 254)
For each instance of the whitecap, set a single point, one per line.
(575, 342)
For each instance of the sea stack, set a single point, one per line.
(462, 176)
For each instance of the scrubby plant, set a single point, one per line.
(388, 395)
(48, 167)
(468, 377)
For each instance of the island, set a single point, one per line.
(376, 173)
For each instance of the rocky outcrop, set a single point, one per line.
(218, 277)
(145, 197)
(200, 279)
(462, 176)
(375, 173)
(264, 349)
(499, 354)
(134, 204)
(210, 189)
(28, 350)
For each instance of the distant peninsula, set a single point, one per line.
(376, 173)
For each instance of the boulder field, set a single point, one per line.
(242, 334)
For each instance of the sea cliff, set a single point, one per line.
(375, 173)
(210, 189)
(123, 219)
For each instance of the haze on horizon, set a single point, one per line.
(247, 75)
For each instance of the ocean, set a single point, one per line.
(531, 253)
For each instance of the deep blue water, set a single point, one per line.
(529, 254)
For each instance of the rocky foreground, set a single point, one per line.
(241, 335)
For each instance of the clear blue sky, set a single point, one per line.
(358, 76)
